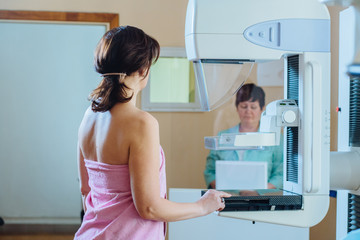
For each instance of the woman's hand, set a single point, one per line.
(212, 201)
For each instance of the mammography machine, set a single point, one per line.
(224, 38)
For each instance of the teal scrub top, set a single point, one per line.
(272, 155)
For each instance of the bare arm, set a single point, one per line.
(84, 178)
(144, 165)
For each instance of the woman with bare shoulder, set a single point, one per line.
(121, 162)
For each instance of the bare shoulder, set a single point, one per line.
(144, 120)
(134, 123)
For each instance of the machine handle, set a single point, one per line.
(314, 166)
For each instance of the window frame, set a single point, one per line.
(171, 106)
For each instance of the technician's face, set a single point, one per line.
(249, 112)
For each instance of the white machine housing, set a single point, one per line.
(345, 163)
(219, 30)
(278, 114)
(216, 30)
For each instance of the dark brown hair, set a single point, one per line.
(124, 49)
(250, 92)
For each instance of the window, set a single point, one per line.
(171, 86)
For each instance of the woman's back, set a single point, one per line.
(106, 136)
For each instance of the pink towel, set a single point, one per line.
(111, 213)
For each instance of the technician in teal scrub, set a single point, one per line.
(250, 103)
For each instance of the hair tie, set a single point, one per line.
(121, 75)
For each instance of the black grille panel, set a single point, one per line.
(354, 112)
(354, 212)
(293, 78)
(292, 160)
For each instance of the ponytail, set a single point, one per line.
(109, 92)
